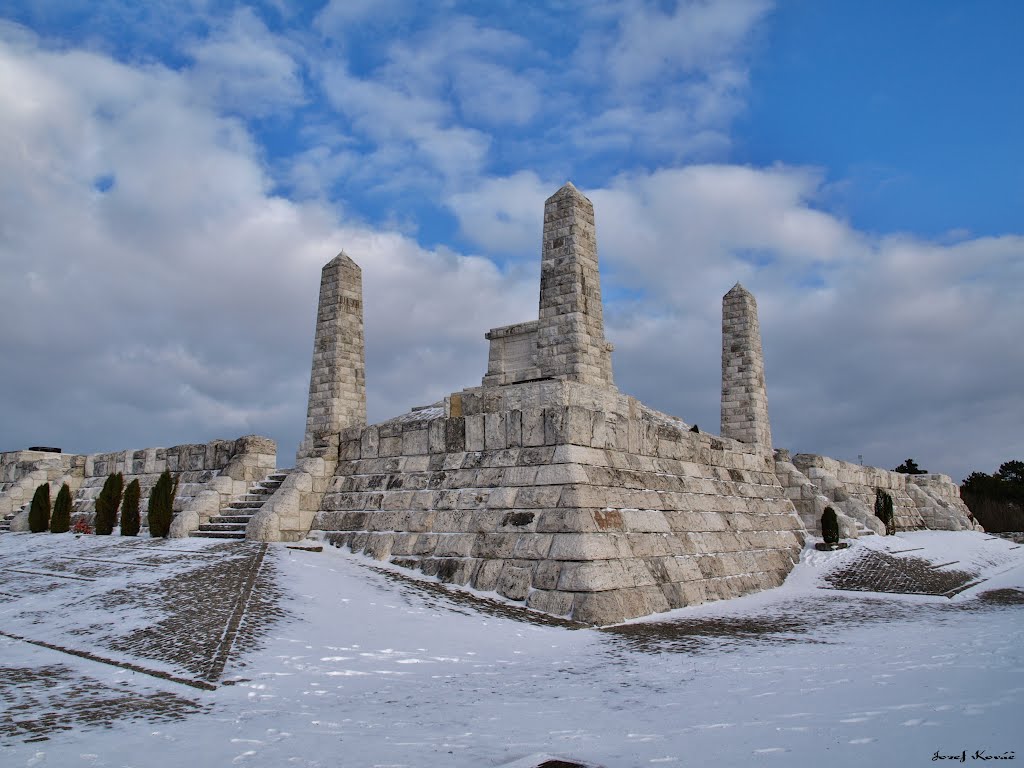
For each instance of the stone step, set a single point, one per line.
(251, 498)
(231, 519)
(219, 534)
(222, 527)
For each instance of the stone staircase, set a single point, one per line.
(5, 521)
(231, 523)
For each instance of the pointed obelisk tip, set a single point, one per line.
(738, 290)
(341, 259)
(568, 190)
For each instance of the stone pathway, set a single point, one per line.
(893, 572)
(180, 612)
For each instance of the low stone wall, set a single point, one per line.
(21, 472)
(228, 467)
(813, 482)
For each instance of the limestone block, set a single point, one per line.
(514, 429)
(495, 436)
(645, 520)
(474, 432)
(266, 525)
(514, 583)
(455, 545)
(566, 520)
(390, 446)
(582, 496)
(495, 545)
(455, 571)
(533, 546)
(557, 474)
(378, 545)
(592, 576)
(649, 544)
(514, 476)
(19, 523)
(199, 509)
(550, 601)
(414, 442)
(578, 454)
(503, 498)
(486, 577)
(370, 443)
(599, 608)
(538, 497)
(589, 546)
(533, 427)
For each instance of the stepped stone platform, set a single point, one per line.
(546, 484)
(576, 499)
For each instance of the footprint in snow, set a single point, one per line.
(865, 740)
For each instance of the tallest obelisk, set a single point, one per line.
(570, 333)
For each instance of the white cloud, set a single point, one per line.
(698, 36)
(245, 69)
(178, 303)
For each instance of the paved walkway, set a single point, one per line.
(165, 610)
(901, 573)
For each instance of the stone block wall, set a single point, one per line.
(229, 467)
(938, 499)
(575, 500)
(21, 472)
(813, 482)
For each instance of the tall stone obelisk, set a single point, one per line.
(570, 332)
(744, 395)
(337, 382)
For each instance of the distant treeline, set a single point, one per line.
(997, 500)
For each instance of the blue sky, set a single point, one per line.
(177, 173)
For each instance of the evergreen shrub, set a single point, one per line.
(39, 512)
(130, 509)
(161, 506)
(107, 503)
(61, 520)
(884, 511)
(830, 526)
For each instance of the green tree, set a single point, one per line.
(997, 500)
(39, 512)
(130, 509)
(1012, 472)
(830, 526)
(909, 467)
(61, 520)
(107, 503)
(161, 506)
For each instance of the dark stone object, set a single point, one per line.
(45, 449)
(824, 546)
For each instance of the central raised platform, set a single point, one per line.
(571, 497)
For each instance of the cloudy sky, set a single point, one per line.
(174, 174)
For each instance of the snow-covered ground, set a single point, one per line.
(376, 668)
